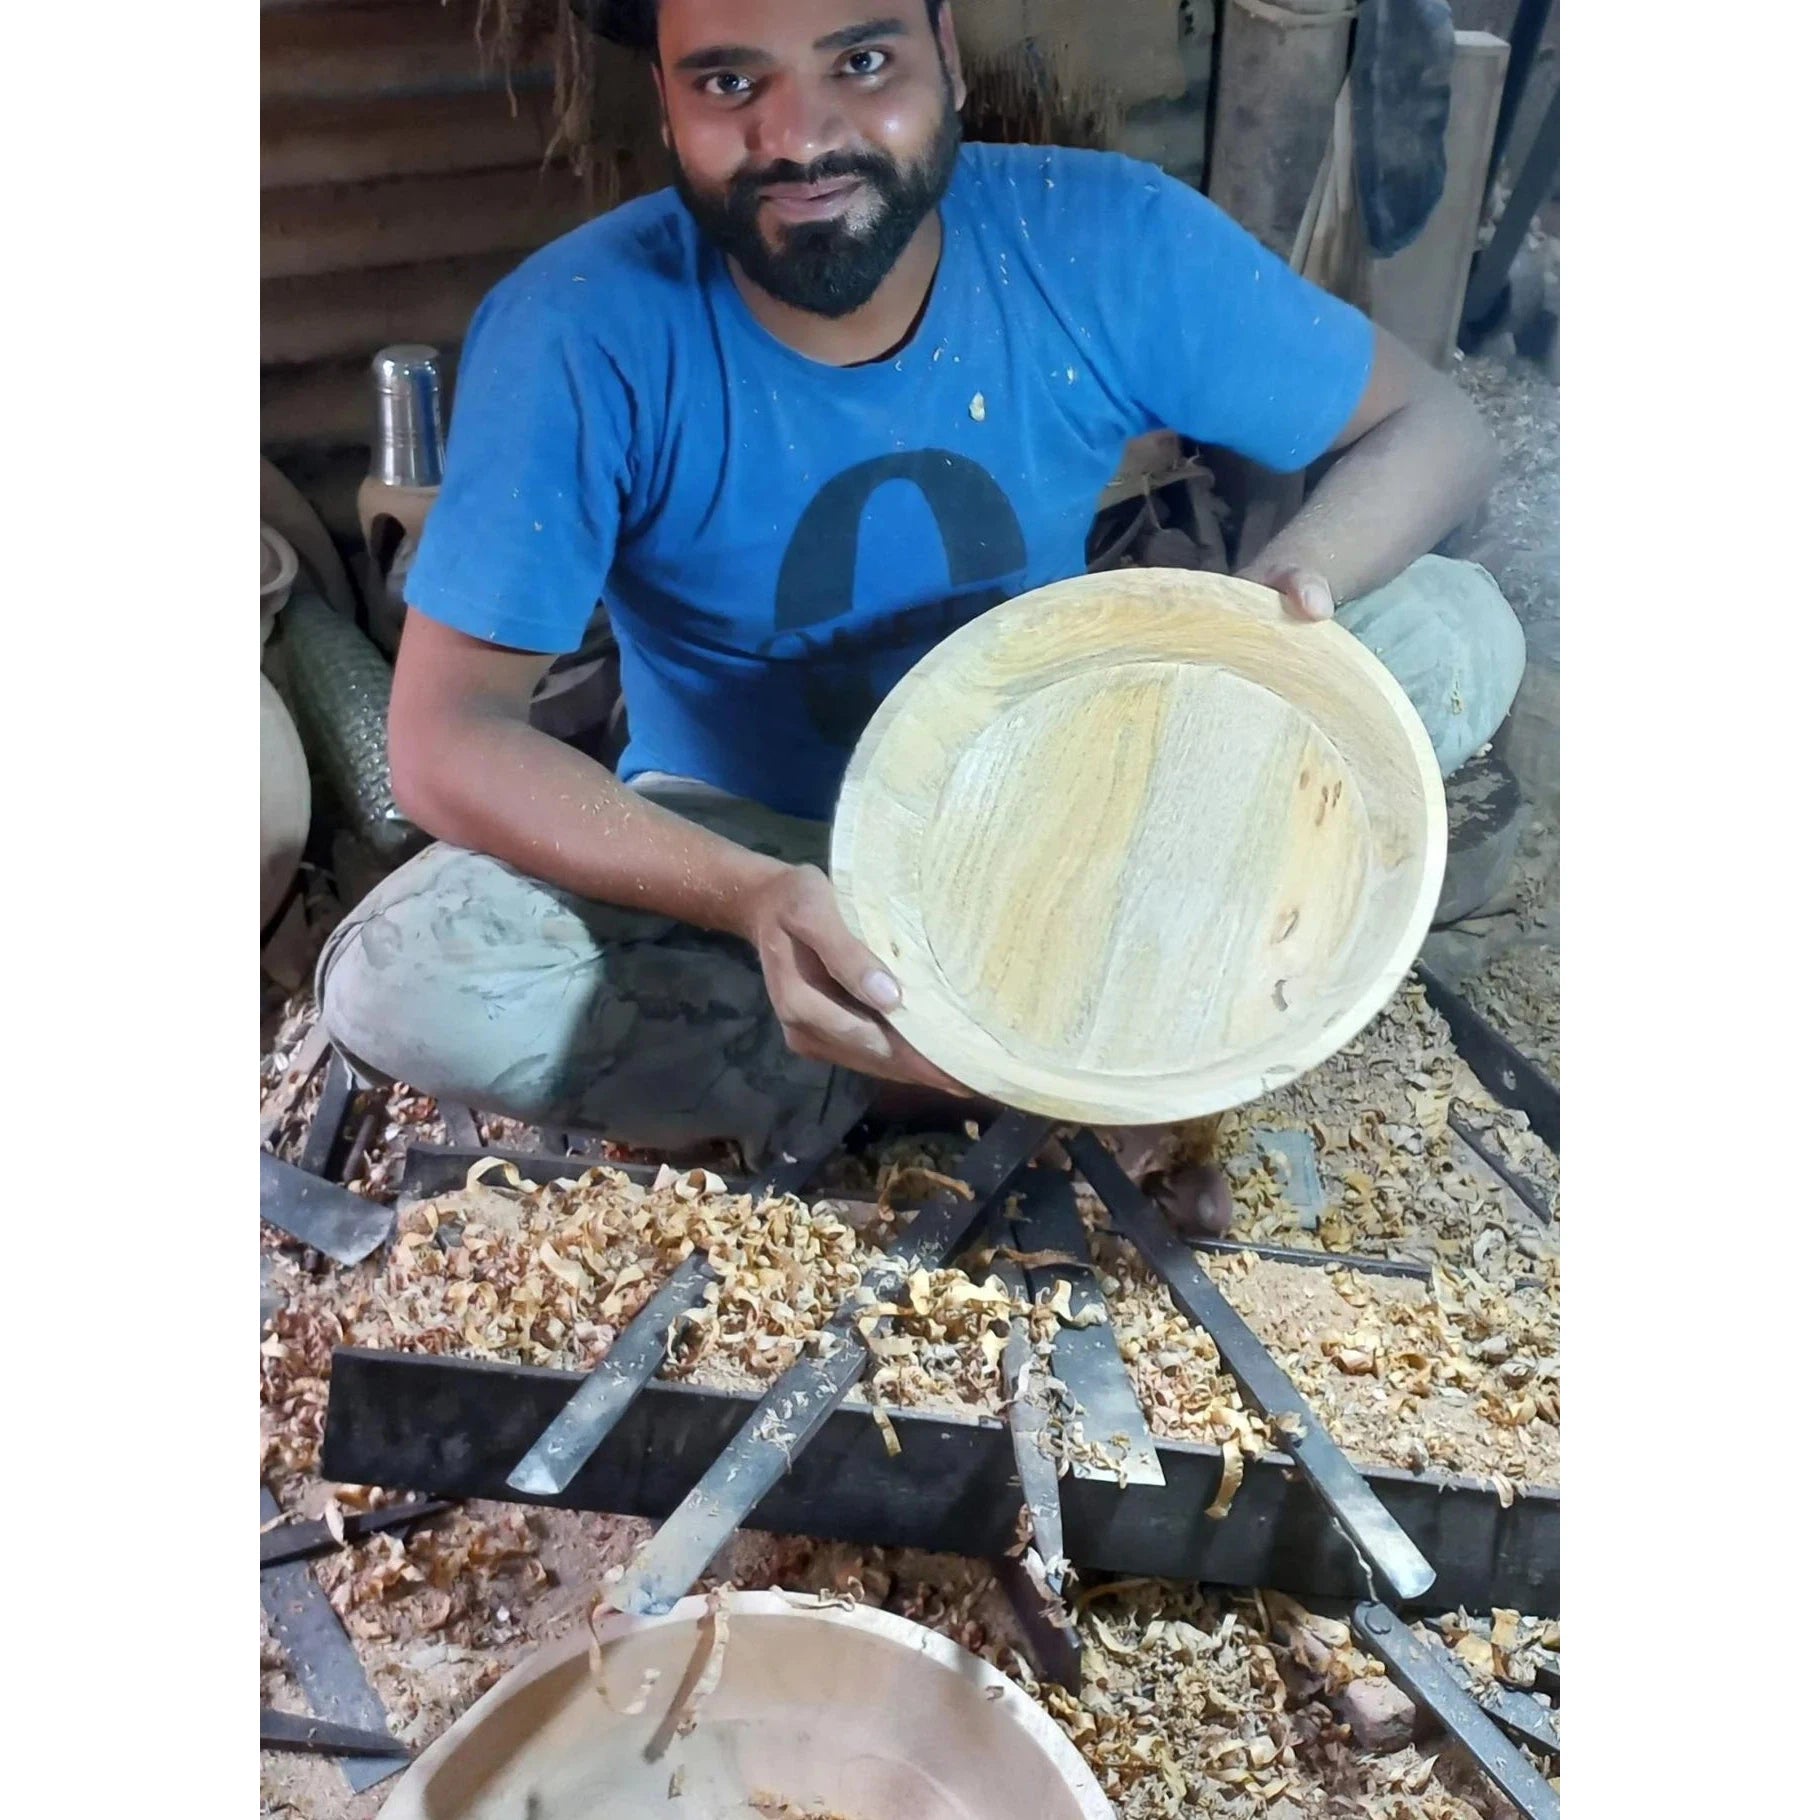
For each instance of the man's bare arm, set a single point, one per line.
(1417, 461)
(469, 768)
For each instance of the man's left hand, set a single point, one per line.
(1306, 595)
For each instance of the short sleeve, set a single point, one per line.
(523, 533)
(1226, 344)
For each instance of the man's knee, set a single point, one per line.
(1447, 634)
(421, 982)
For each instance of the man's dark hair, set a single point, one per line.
(634, 22)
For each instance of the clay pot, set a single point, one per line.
(284, 800)
(839, 1712)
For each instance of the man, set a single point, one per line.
(845, 386)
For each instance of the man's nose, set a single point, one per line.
(794, 123)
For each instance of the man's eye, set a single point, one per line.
(727, 85)
(866, 63)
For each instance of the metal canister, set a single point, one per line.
(407, 429)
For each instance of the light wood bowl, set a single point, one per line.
(855, 1713)
(1139, 847)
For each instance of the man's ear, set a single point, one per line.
(663, 108)
(951, 52)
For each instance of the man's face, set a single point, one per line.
(809, 138)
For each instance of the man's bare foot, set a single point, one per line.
(1197, 1199)
(1196, 1196)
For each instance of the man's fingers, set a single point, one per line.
(814, 918)
(835, 1033)
(1306, 595)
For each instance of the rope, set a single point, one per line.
(1282, 16)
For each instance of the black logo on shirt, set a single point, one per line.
(849, 670)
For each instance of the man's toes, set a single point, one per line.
(1198, 1200)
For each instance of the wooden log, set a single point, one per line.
(1418, 294)
(356, 227)
(413, 47)
(341, 315)
(305, 142)
(1280, 70)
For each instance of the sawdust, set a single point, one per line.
(1458, 1378)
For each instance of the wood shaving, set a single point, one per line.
(1232, 1475)
(699, 1679)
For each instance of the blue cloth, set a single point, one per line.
(776, 540)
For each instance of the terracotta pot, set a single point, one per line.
(284, 800)
(851, 1713)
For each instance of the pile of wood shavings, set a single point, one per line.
(451, 1576)
(1460, 1377)
(551, 1275)
(1519, 994)
(1197, 1706)
(1505, 1648)
(1397, 1179)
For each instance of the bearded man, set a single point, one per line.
(845, 385)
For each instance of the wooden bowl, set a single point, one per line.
(1139, 847)
(853, 1713)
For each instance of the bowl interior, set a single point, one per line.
(837, 1719)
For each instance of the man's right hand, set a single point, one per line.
(827, 987)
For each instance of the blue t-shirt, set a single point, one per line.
(777, 541)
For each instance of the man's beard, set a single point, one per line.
(824, 266)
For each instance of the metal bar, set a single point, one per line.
(297, 1731)
(1525, 40)
(298, 1541)
(1509, 1076)
(1085, 1359)
(1027, 1415)
(1307, 1255)
(1519, 1184)
(324, 1149)
(455, 1428)
(364, 1133)
(1491, 267)
(322, 1658)
(1033, 1587)
(433, 1169)
(1521, 1716)
(340, 1224)
(1410, 1663)
(1386, 1554)
(806, 1394)
(588, 1417)
(460, 1123)
(608, 1390)
(304, 1064)
(1053, 1640)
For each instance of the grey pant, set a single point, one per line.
(472, 982)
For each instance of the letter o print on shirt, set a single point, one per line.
(981, 540)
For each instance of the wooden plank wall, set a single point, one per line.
(399, 183)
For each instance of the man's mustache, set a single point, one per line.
(826, 169)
